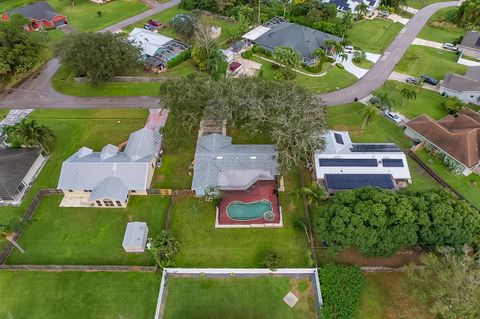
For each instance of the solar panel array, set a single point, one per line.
(375, 148)
(352, 181)
(352, 162)
(338, 138)
(387, 162)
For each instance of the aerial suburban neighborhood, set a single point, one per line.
(240, 159)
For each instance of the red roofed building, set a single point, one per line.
(40, 14)
(456, 137)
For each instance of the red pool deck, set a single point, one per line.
(261, 190)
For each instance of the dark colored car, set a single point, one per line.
(412, 80)
(149, 27)
(155, 23)
(428, 79)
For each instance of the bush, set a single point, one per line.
(359, 56)
(342, 288)
(453, 104)
(247, 54)
(340, 66)
(185, 55)
(316, 68)
(270, 260)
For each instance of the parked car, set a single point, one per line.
(449, 46)
(374, 100)
(349, 49)
(155, 23)
(149, 27)
(412, 80)
(430, 80)
(393, 117)
(383, 13)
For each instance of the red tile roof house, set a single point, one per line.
(40, 14)
(458, 138)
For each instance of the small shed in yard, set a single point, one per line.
(135, 237)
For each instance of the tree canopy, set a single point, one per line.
(381, 222)
(291, 116)
(18, 50)
(30, 134)
(99, 56)
(468, 13)
(183, 25)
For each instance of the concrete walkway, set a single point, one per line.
(427, 43)
(396, 18)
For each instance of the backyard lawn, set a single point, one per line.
(427, 102)
(73, 129)
(83, 15)
(333, 80)
(468, 186)
(439, 30)
(11, 4)
(78, 295)
(418, 4)
(259, 297)
(420, 60)
(387, 296)
(92, 236)
(202, 245)
(373, 35)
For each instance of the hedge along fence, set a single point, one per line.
(183, 56)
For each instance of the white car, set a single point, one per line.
(449, 46)
(349, 49)
(393, 117)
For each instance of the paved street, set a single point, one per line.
(380, 72)
(37, 91)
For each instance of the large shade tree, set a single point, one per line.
(469, 13)
(99, 56)
(291, 116)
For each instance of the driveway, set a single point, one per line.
(380, 72)
(400, 77)
(427, 43)
(37, 91)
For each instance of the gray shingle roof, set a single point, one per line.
(87, 170)
(218, 162)
(303, 39)
(471, 39)
(460, 83)
(14, 165)
(111, 187)
(38, 11)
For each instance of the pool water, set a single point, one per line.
(237, 210)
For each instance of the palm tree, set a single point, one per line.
(6, 232)
(284, 4)
(362, 10)
(314, 193)
(369, 113)
(29, 134)
(407, 94)
(333, 46)
(216, 64)
(344, 56)
(385, 101)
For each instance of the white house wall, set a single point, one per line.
(466, 96)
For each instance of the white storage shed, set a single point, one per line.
(135, 237)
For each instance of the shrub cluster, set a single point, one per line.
(183, 56)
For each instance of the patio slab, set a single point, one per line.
(290, 299)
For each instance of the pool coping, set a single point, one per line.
(264, 225)
(312, 273)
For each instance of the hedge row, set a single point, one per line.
(184, 55)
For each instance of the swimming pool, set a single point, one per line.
(238, 210)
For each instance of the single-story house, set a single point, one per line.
(40, 14)
(303, 39)
(470, 45)
(344, 165)
(458, 138)
(135, 237)
(152, 44)
(465, 87)
(109, 177)
(351, 5)
(18, 169)
(219, 163)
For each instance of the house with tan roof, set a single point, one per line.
(458, 138)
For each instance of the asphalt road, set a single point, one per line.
(37, 92)
(379, 73)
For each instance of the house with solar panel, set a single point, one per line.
(344, 165)
(351, 5)
(278, 32)
(108, 178)
(157, 49)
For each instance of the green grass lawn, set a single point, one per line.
(386, 296)
(259, 297)
(420, 60)
(427, 102)
(87, 236)
(77, 295)
(73, 129)
(365, 64)
(202, 245)
(335, 78)
(468, 186)
(349, 118)
(418, 4)
(438, 28)
(83, 15)
(11, 4)
(373, 35)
